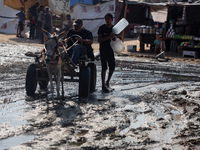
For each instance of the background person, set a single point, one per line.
(106, 52)
(40, 22)
(32, 14)
(32, 11)
(47, 22)
(33, 24)
(67, 23)
(157, 43)
(162, 48)
(20, 27)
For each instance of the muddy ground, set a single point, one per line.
(155, 106)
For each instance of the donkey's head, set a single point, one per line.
(52, 44)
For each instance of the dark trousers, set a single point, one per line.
(38, 30)
(32, 31)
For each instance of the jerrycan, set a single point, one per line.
(117, 45)
(120, 26)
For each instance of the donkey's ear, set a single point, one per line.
(62, 34)
(46, 33)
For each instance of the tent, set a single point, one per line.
(135, 10)
(8, 19)
(93, 15)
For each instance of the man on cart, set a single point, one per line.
(79, 40)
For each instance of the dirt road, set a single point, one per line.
(155, 105)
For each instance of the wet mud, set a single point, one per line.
(154, 105)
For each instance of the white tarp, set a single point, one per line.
(93, 15)
(159, 13)
(8, 19)
(59, 7)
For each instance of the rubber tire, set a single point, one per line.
(93, 76)
(31, 80)
(84, 82)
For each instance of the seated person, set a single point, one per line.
(157, 43)
(83, 47)
(162, 48)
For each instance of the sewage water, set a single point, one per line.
(13, 141)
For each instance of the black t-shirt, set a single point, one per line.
(85, 34)
(105, 32)
(32, 12)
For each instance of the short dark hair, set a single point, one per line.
(109, 15)
(37, 4)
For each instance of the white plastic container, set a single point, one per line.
(120, 26)
(117, 45)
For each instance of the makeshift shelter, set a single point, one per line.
(178, 20)
(16, 4)
(8, 19)
(93, 15)
(56, 6)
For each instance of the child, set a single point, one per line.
(162, 48)
(33, 23)
(106, 52)
(157, 43)
(20, 23)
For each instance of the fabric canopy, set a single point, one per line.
(8, 19)
(159, 13)
(16, 4)
(59, 7)
(93, 15)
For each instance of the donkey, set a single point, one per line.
(54, 61)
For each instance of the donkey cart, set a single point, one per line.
(37, 74)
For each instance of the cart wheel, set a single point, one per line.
(31, 81)
(84, 82)
(93, 76)
(43, 84)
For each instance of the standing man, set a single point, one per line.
(47, 22)
(40, 22)
(20, 15)
(106, 52)
(32, 13)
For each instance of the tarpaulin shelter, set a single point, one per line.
(8, 19)
(16, 4)
(57, 7)
(135, 11)
(93, 15)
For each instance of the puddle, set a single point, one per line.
(12, 113)
(13, 141)
(140, 121)
(176, 78)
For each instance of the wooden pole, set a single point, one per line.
(125, 10)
